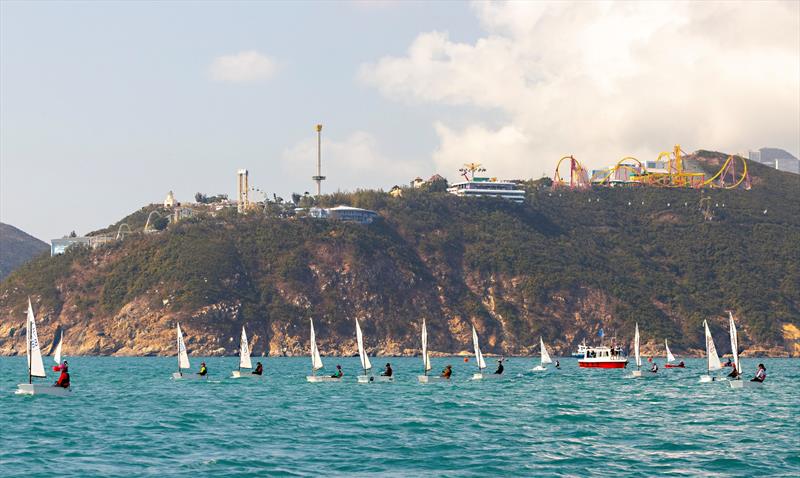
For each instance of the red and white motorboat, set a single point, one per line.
(603, 357)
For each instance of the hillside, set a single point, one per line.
(17, 248)
(562, 265)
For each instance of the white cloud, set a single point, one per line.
(350, 163)
(606, 80)
(243, 67)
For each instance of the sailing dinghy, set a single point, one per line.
(57, 353)
(712, 359)
(366, 365)
(479, 360)
(35, 365)
(738, 382)
(426, 360)
(637, 354)
(545, 357)
(183, 361)
(316, 361)
(244, 359)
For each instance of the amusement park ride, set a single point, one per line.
(673, 174)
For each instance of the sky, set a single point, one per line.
(107, 106)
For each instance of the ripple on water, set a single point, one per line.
(569, 422)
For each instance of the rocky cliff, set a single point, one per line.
(562, 265)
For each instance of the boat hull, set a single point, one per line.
(188, 376)
(674, 366)
(539, 368)
(603, 364)
(374, 379)
(431, 378)
(41, 389)
(636, 373)
(709, 379)
(321, 379)
(488, 376)
(744, 384)
(239, 374)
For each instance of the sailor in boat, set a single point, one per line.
(338, 373)
(447, 372)
(681, 364)
(558, 365)
(734, 373)
(728, 363)
(654, 368)
(259, 369)
(203, 370)
(761, 373)
(500, 367)
(387, 372)
(63, 379)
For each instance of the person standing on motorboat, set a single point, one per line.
(387, 372)
(447, 372)
(63, 379)
(203, 370)
(500, 367)
(338, 373)
(259, 370)
(761, 374)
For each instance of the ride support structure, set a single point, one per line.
(578, 177)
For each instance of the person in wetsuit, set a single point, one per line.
(761, 373)
(259, 369)
(500, 367)
(338, 373)
(387, 372)
(558, 365)
(734, 373)
(447, 372)
(654, 368)
(203, 370)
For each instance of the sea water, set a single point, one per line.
(126, 417)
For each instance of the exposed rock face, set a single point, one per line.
(558, 266)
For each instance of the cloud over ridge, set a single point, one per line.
(606, 80)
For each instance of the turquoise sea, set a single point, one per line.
(127, 418)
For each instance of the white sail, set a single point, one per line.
(711, 351)
(636, 347)
(316, 360)
(57, 353)
(734, 343)
(183, 357)
(365, 364)
(35, 364)
(426, 358)
(545, 355)
(244, 352)
(478, 355)
(670, 357)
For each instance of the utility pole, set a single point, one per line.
(319, 177)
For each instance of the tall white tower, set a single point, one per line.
(242, 188)
(319, 177)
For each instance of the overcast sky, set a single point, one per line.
(106, 106)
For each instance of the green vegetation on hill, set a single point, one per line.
(563, 263)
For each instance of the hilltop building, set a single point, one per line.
(417, 182)
(59, 246)
(344, 213)
(485, 187)
(170, 200)
(776, 158)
